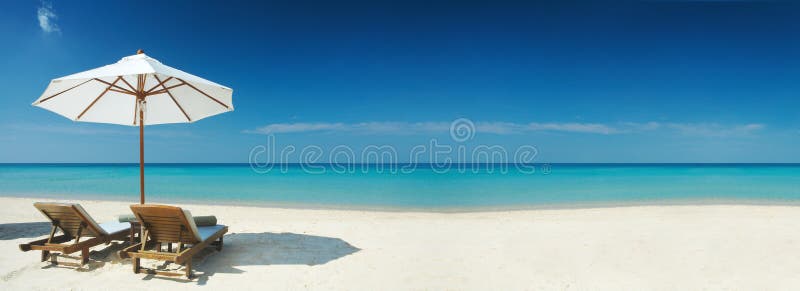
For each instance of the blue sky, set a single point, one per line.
(650, 81)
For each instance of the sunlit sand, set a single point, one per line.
(638, 247)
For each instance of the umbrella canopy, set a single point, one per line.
(135, 91)
(115, 93)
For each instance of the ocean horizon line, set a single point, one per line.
(409, 163)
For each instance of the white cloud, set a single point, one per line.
(47, 17)
(714, 129)
(506, 128)
(574, 127)
(295, 127)
(361, 127)
(518, 128)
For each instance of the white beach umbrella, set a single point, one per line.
(136, 91)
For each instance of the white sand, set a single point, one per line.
(624, 248)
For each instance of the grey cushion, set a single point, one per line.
(208, 220)
(126, 218)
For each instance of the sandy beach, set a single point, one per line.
(637, 247)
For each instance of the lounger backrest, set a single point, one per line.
(69, 217)
(168, 224)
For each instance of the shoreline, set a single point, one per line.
(441, 209)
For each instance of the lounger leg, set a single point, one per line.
(136, 265)
(84, 256)
(189, 268)
(45, 255)
(219, 245)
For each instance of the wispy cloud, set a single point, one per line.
(296, 127)
(361, 127)
(518, 128)
(505, 128)
(47, 18)
(715, 130)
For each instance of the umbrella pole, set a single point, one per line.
(140, 102)
(141, 157)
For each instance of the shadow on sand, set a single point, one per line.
(99, 255)
(9, 231)
(263, 249)
(241, 249)
(98, 258)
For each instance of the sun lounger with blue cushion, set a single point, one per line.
(164, 224)
(79, 232)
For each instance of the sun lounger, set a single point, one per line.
(164, 224)
(76, 225)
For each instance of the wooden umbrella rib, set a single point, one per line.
(173, 98)
(59, 93)
(120, 91)
(113, 85)
(98, 98)
(135, 109)
(129, 84)
(204, 93)
(160, 83)
(162, 91)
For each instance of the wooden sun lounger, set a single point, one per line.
(75, 224)
(170, 224)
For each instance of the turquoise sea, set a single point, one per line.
(423, 188)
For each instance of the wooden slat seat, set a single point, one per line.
(75, 224)
(165, 224)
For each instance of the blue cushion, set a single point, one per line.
(112, 227)
(207, 231)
